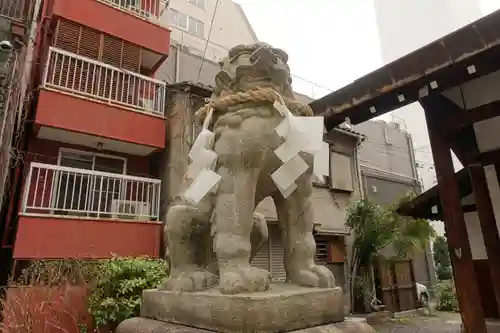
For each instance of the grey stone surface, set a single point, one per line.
(210, 242)
(212, 285)
(143, 325)
(283, 307)
(440, 322)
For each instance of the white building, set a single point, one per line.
(208, 27)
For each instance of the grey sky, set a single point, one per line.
(330, 42)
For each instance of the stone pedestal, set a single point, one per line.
(282, 308)
(143, 325)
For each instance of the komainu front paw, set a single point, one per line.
(190, 281)
(316, 276)
(244, 279)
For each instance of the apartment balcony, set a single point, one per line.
(90, 103)
(17, 10)
(78, 213)
(137, 21)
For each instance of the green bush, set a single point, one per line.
(447, 297)
(116, 292)
(443, 272)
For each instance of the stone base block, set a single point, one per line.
(143, 325)
(282, 308)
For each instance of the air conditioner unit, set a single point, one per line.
(133, 8)
(130, 210)
(148, 104)
(145, 13)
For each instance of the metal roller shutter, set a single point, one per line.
(261, 259)
(321, 250)
(94, 44)
(277, 253)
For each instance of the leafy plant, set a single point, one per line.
(375, 228)
(447, 297)
(442, 258)
(116, 294)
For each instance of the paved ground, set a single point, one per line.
(438, 323)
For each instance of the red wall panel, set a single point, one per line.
(85, 116)
(47, 151)
(52, 238)
(115, 22)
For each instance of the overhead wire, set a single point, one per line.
(208, 39)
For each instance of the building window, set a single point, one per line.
(178, 19)
(198, 3)
(196, 27)
(92, 161)
(341, 172)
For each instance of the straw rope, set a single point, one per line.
(257, 95)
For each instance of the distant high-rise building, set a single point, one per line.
(405, 26)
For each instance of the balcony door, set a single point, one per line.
(82, 192)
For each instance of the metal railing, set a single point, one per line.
(96, 80)
(62, 191)
(150, 10)
(10, 91)
(17, 10)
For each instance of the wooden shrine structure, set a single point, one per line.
(456, 79)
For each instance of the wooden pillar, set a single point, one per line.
(458, 242)
(488, 224)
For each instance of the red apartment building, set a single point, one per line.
(89, 182)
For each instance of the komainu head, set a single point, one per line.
(256, 65)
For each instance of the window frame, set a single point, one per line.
(94, 155)
(175, 15)
(199, 3)
(333, 184)
(199, 26)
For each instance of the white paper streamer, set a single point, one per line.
(203, 161)
(300, 134)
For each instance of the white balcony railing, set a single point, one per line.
(150, 10)
(61, 191)
(89, 78)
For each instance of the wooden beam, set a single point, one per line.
(469, 208)
(454, 222)
(463, 142)
(464, 146)
(489, 157)
(488, 224)
(464, 118)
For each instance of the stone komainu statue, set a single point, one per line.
(213, 241)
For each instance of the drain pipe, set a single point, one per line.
(28, 61)
(177, 63)
(25, 83)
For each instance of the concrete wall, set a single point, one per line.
(182, 66)
(384, 191)
(389, 172)
(230, 28)
(387, 148)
